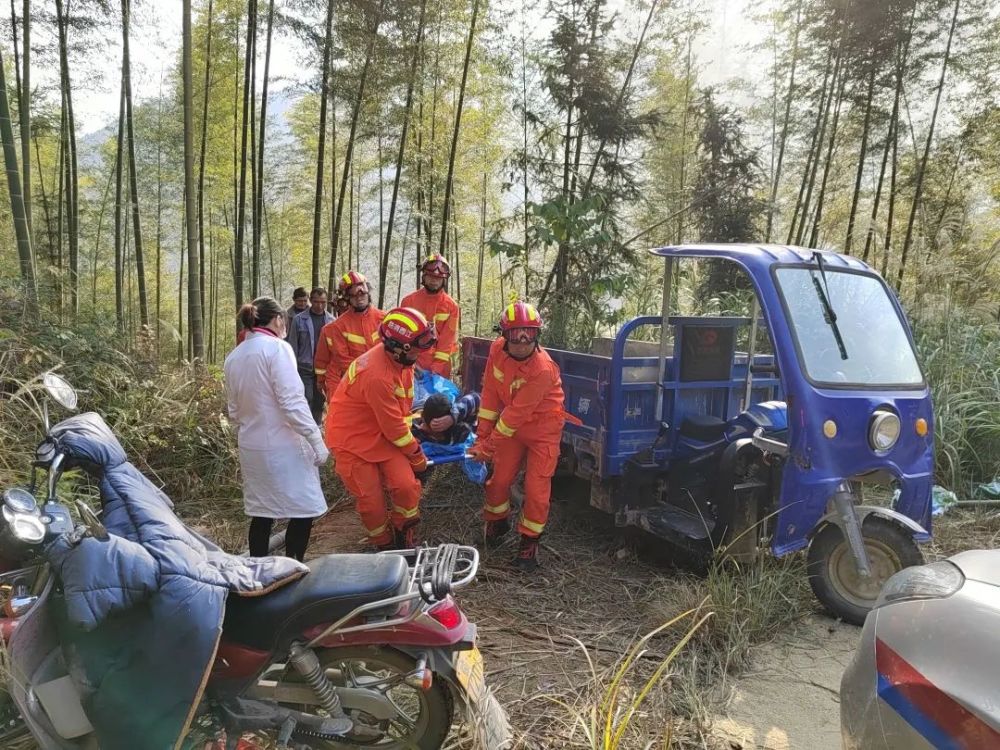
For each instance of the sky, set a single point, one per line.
(156, 35)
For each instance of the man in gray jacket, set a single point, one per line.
(303, 337)
(300, 301)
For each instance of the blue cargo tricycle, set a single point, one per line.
(729, 434)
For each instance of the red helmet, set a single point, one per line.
(404, 328)
(436, 265)
(348, 281)
(520, 315)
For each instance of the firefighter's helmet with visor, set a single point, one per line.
(520, 323)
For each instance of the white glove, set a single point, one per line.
(319, 448)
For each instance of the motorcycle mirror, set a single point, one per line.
(60, 390)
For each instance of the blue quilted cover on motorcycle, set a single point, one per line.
(143, 611)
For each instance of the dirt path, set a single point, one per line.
(790, 700)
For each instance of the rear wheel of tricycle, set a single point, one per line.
(834, 577)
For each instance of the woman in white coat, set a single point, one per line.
(281, 447)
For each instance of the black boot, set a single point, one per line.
(407, 537)
(496, 531)
(527, 555)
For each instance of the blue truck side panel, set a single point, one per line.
(615, 397)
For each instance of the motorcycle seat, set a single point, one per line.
(703, 427)
(334, 586)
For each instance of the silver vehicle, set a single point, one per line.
(927, 671)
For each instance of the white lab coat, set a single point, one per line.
(277, 435)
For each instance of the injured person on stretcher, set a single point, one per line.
(442, 421)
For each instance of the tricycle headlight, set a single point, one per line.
(934, 581)
(884, 431)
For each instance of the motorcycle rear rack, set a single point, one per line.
(434, 573)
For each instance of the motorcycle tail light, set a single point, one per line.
(934, 581)
(446, 613)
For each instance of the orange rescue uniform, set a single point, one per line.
(522, 417)
(368, 432)
(341, 342)
(444, 312)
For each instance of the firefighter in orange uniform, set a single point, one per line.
(438, 307)
(520, 422)
(368, 430)
(349, 335)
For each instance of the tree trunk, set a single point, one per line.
(383, 258)
(901, 60)
(320, 158)
(814, 237)
(482, 253)
(119, 257)
(159, 213)
(458, 126)
(97, 240)
(241, 201)
(524, 135)
(132, 179)
(922, 169)
(72, 186)
(813, 148)
(349, 154)
(260, 149)
(807, 204)
(870, 234)
(25, 110)
(862, 153)
(407, 110)
(892, 197)
(253, 260)
(783, 141)
(201, 155)
(194, 293)
(684, 124)
(17, 210)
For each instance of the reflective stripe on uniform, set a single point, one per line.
(498, 373)
(354, 338)
(380, 530)
(399, 391)
(320, 372)
(487, 414)
(445, 356)
(352, 371)
(504, 430)
(441, 317)
(536, 527)
(405, 513)
(374, 335)
(502, 508)
(405, 440)
(329, 341)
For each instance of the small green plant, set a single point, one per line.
(607, 713)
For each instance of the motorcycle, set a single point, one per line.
(363, 651)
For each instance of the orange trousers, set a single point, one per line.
(536, 447)
(365, 480)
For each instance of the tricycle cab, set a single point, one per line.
(731, 430)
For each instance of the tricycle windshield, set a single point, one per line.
(846, 328)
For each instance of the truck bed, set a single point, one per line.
(614, 393)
